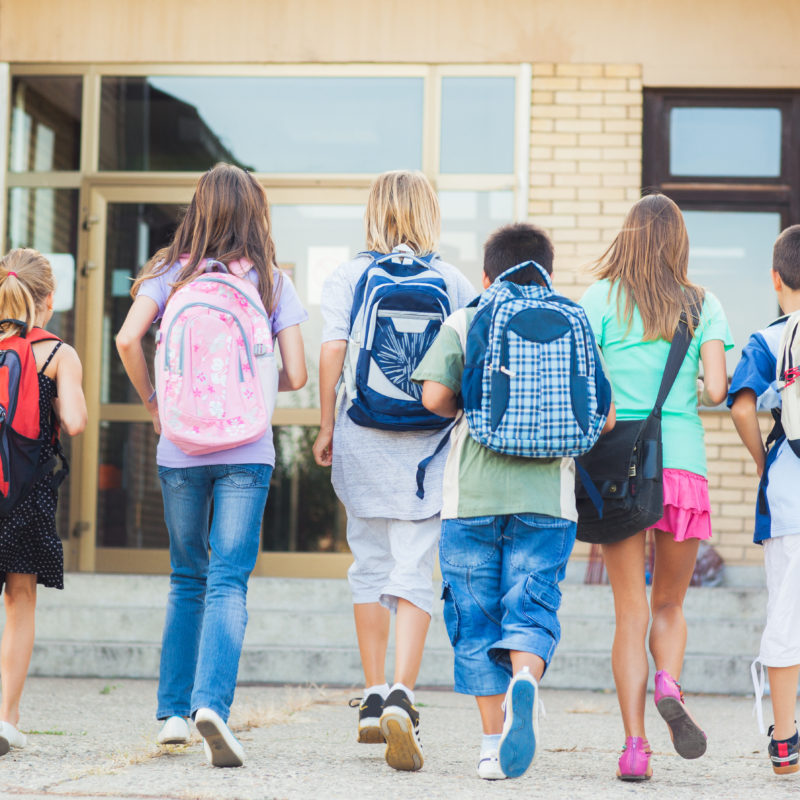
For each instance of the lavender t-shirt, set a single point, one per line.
(288, 311)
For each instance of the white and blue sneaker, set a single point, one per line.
(489, 767)
(521, 726)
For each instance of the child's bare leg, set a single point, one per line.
(672, 574)
(490, 707)
(17, 641)
(372, 630)
(533, 662)
(625, 566)
(783, 693)
(411, 628)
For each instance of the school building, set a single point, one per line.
(523, 109)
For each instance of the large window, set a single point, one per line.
(731, 160)
(101, 162)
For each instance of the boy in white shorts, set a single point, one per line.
(777, 526)
(393, 524)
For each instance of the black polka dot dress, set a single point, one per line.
(28, 540)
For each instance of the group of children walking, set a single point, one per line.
(450, 421)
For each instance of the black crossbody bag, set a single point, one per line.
(619, 482)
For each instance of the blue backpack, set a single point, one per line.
(533, 383)
(398, 307)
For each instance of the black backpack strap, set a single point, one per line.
(50, 357)
(677, 352)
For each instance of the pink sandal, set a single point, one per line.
(688, 738)
(634, 763)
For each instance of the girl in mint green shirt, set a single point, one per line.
(634, 310)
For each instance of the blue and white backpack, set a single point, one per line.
(533, 384)
(398, 307)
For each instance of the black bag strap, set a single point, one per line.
(677, 352)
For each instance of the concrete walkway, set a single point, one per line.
(95, 739)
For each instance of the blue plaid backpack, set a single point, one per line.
(398, 307)
(533, 384)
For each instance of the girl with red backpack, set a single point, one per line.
(40, 393)
(214, 287)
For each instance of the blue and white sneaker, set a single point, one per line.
(521, 726)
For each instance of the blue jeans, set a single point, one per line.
(207, 606)
(501, 592)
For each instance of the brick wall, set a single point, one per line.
(585, 172)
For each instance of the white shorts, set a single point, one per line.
(393, 558)
(780, 642)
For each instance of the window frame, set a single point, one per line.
(719, 193)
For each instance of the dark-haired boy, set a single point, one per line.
(753, 388)
(508, 528)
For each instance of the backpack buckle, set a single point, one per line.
(259, 350)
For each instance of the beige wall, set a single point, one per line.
(680, 42)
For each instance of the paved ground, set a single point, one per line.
(93, 739)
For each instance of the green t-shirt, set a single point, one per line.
(635, 368)
(479, 482)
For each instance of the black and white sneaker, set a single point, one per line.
(400, 726)
(370, 709)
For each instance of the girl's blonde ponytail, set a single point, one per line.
(26, 280)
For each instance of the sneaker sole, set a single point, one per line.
(634, 778)
(174, 740)
(687, 738)
(518, 746)
(222, 755)
(402, 749)
(370, 733)
(786, 770)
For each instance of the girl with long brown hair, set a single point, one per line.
(226, 224)
(30, 548)
(634, 308)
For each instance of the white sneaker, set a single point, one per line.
(221, 747)
(518, 742)
(489, 767)
(10, 737)
(175, 731)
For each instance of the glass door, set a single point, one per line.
(119, 493)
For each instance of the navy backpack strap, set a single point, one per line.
(591, 489)
(423, 465)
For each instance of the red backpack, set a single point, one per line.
(20, 431)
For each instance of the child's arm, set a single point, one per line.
(745, 420)
(70, 405)
(129, 345)
(331, 364)
(293, 374)
(439, 399)
(715, 373)
(611, 419)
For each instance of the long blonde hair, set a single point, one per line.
(649, 258)
(26, 279)
(402, 209)
(228, 219)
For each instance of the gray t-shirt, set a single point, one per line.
(375, 471)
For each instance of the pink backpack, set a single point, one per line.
(216, 377)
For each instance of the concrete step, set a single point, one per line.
(150, 591)
(325, 629)
(706, 673)
(301, 630)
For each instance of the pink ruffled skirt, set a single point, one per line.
(687, 509)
